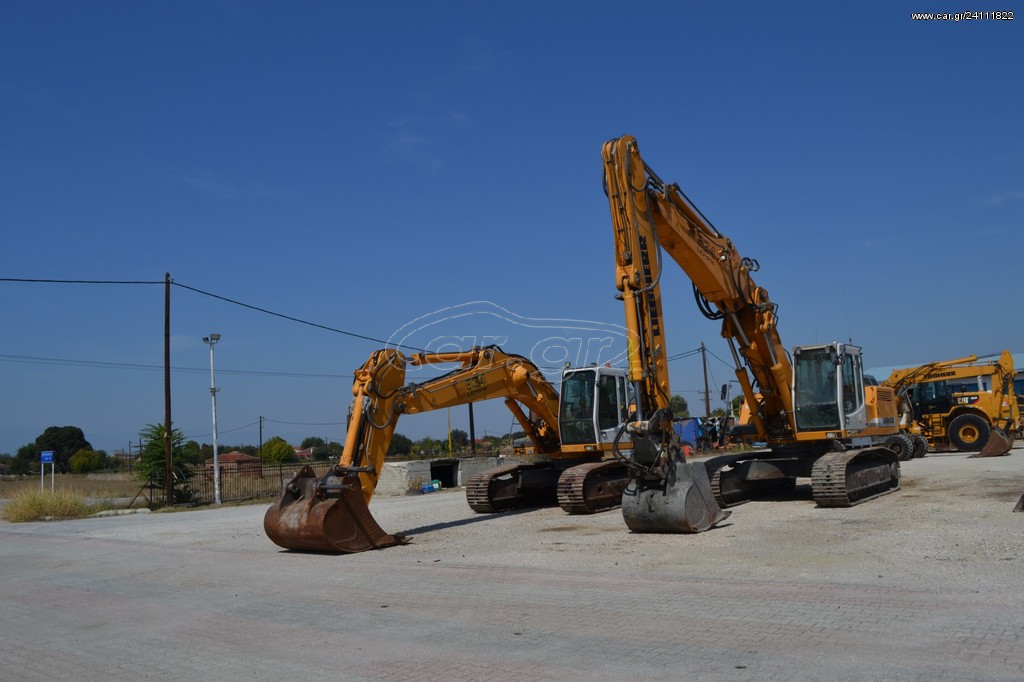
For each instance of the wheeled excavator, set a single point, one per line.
(330, 513)
(967, 403)
(815, 412)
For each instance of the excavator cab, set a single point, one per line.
(829, 388)
(594, 402)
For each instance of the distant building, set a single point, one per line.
(236, 462)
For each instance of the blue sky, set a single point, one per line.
(362, 166)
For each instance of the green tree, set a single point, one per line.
(321, 449)
(312, 442)
(277, 450)
(152, 459)
(428, 447)
(191, 453)
(84, 461)
(460, 440)
(63, 441)
(26, 460)
(679, 406)
(400, 446)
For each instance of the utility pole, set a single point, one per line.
(211, 340)
(261, 439)
(472, 431)
(707, 397)
(168, 453)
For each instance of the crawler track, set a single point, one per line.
(845, 479)
(715, 466)
(592, 487)
(513, 486)
(478, 490)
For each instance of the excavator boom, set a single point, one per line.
(804, 405)
(331, 513)
(666, 494)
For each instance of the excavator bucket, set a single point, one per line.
(999, 444)
(325, 514)
(681, 503)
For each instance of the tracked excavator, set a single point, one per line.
(330, 513)
(967, 403)
(813, 410)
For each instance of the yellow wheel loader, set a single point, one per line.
(967, 404)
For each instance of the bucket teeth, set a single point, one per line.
(316, 516)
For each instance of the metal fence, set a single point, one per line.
(195, 484)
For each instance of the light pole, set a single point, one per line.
(212, 339)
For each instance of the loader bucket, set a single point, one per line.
(325, 514)
(999, 444)
(681, 503)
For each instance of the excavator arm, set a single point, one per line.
(666, 493)
(651, 217)
(810, 418)
(482, 374)
(330, 513)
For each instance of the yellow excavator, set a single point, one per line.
(815, 412)
(965, 403)
(330, 513)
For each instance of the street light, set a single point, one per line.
(212, 339)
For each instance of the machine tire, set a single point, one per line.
(902, 445)
(920, 445)
(969, 432)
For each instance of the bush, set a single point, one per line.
(33, 506)
(84, 461)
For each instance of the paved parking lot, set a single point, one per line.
(924, 584)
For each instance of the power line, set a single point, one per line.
(685, 354)
(293, 319)
(275, 421)
(220, 431)
(77, 281)
(29, 359)
(216, 296)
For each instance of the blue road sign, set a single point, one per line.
(46, 456)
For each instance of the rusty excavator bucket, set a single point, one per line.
(999, 444)
(682, 502)
(326, 514)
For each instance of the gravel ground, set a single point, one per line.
(950, 521)
(923, 584)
